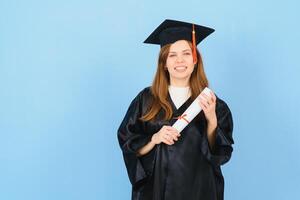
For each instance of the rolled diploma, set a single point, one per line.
(191, 112)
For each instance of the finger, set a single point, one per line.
(204, 96)
(177, 134)
(174, 136)
(173, 130)
(209, 99)
(170, 141)
(203, 106)
(214, 97)
(199, 102)
(169, 138)
(170, 128)
(166, 141)
(212, 94)
(204, 102)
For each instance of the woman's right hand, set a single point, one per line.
(167, 135)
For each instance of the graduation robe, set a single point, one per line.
(188, 169)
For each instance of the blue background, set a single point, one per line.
(69, 69)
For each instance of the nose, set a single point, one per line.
(179, 59)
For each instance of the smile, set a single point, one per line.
(180, 68)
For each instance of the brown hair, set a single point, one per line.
(159, 88)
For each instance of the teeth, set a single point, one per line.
(180, 68)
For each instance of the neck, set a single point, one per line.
(179, 82)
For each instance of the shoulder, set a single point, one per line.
(141, 101)
(143, 96)
(224, 115)
(144, 93)
(221, 106)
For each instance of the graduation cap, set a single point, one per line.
(170, 31)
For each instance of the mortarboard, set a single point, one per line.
(170, 31)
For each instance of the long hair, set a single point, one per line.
(161, 82)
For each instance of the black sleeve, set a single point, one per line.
(221, 152)
(131, 138)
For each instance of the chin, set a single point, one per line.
(181, 77)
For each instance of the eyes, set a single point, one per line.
(172, 55)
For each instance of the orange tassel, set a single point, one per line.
(194, 45)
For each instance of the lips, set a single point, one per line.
(180, 68)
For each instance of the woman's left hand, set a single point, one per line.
(208, 105)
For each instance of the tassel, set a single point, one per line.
(194, 45)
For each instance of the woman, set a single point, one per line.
(162, 163)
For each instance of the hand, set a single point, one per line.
(208, 105)
(167, 135)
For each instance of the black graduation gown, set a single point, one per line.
(188, 169)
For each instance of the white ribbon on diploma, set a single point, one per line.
(191, 112)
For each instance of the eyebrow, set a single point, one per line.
(182, 51)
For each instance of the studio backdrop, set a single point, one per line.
(69, 70)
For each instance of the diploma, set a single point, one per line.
(191, 112)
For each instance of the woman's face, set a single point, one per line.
(180, 61)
